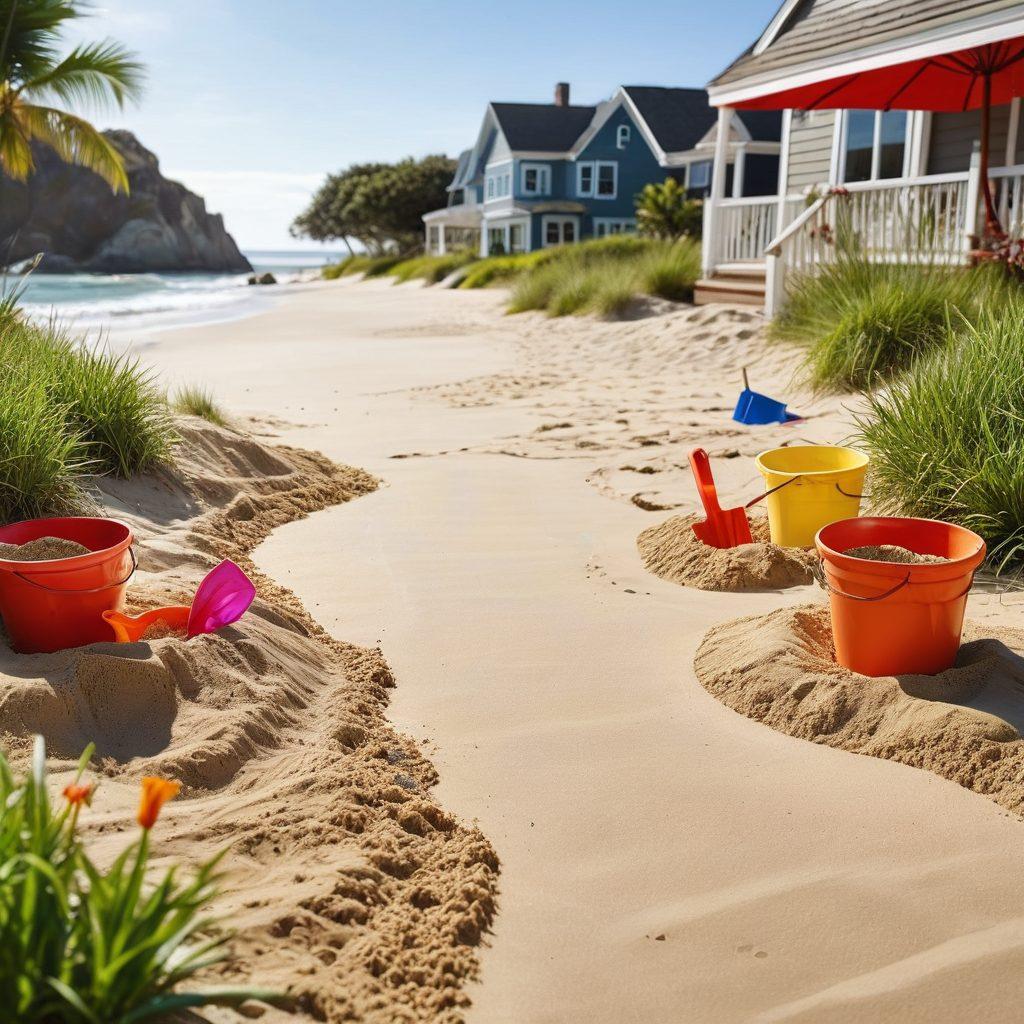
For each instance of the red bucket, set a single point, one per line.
(890, 618)
(47, 606)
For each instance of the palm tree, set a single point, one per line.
(34, 77)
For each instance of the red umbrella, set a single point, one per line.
(967, 79)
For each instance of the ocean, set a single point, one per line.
(117, 301)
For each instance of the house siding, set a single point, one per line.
(953, 135)
(810, 149)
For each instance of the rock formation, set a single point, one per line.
(72, 217)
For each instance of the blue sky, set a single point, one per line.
(251, 102)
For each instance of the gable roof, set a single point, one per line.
(680, 118)
(541, 127)
(815, 30)
(463, 170)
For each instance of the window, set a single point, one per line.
(700, 175)
(607, 180)
(874, 144)
(559, 230)
(506, 184)
(607, 226)
(622, 135)
(496, 241)
(490, 188)
(599, 179)
(536, 180)
(516, 237)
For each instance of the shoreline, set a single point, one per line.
(646, 831)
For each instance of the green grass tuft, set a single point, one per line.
(196, 401)
(67, 411)
(863, 322)
(431, 268)
(946, 439)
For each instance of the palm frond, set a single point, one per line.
(75, 141)
(15, 152)
(95, 73)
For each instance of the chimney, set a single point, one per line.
(562, 94)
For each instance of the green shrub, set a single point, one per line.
(431, 268)
(81, 945)
(67, 410)
(863, 322)
(500, 269)
(663, 211)
(946, 439)
(196, 401)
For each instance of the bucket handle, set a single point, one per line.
(777, 487)
(847, 493)
(819, 575)
(90, 590)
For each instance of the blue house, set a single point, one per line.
(545, 174)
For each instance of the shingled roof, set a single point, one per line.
(542, 127)
(680, 118)
(818, 29)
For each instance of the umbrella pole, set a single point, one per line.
(993, 229)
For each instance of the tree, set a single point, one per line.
(379, 205)
(36, 84)
(663, 211)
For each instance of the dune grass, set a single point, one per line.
(946, 439)
(863, 322)
(360, 263)
(67, 412)
(196, 401)
(431, 268)
(607, 276)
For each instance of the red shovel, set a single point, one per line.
(724, 527)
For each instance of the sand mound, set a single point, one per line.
(892, 553)
(672, 551)
(43, 549)
(347, 884)
(964, 724)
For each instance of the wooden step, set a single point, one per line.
(743, 292)
(741, 271)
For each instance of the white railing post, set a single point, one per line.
(739, 164)
(970, 239)
(719, 170)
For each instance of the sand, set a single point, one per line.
(672, 551)
(548, 675)
(962, 724)
(163, 630)
(43, 549)
(350, 888)
(893, 553)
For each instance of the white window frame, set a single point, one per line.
(595, 175)
(499, 181)
(490, 186)
(623, 225)
(505, 227)
(561, 220)
(690, 183)
(842, 120)
(543, 179)
(622, 136)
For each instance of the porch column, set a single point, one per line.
(739, 165)
(718, 172)
(973, 200)
(440, 239)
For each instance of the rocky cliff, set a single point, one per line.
(73, 218)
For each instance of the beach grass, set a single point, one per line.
(863, 322)
(431, 269)
(606, 277)
(360, 263)
(946, 439)
(67, 412)
(196, 401)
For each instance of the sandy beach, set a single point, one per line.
(663, 858)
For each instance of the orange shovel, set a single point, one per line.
(724, 527)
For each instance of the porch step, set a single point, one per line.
(741, 271)
(739, 290)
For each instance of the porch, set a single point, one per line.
(753, 246)
(453, 228)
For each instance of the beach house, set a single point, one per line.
(544, 174)
(882, 134)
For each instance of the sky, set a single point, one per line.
(251, 102)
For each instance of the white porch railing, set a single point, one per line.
(745, 227)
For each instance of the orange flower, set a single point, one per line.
(77, 794)
(155, 793)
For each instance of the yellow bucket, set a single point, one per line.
(822, 484)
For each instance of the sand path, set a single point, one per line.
(664, 859)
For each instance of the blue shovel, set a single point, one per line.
(755, 409)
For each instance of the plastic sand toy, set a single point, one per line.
(754, 409)
(222, 598)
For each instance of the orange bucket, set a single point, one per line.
(47, 606)
(892, 619)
